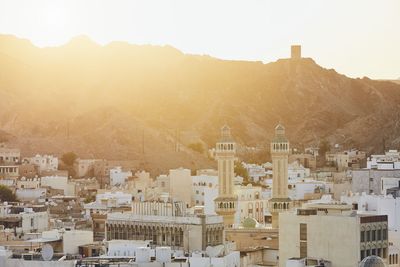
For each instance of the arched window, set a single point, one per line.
(275, 206)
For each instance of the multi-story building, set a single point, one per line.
(377, 204)
(105, 203)
(202, 184)
(84, 167)
(372, 180)
(308, 160)
(44, 163)
(178, 184)
(251, 204)
(9, 155)
(297, 172)
(166, 225)
(389, 161)
(24, 219)
(345, 159)
(118, 176)
(9, 171)
(255, 171)
(332, 232)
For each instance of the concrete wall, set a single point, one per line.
(75, 238)
(369, 181)
(325, 239)
(56, 182)
(181, 185)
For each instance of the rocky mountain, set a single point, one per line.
(123, 101)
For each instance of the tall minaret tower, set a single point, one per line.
(280, 152)
(226, 202)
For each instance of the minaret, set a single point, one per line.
(280, 153)
(226, 202)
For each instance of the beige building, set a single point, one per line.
(226, 202)
(9, 155)
(9, 171)
(332, 232)
(178, 184)
(187, 232)
(280, 200)
(250, 203)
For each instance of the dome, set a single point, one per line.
(372, 261)
(250, 223)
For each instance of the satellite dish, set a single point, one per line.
(47, 252)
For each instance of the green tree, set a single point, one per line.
(198, 147)
(242, 171)
(324, 147)
(6, 194)
(69, 158)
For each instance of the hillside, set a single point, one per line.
(123, 101)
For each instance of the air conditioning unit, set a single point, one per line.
(27, 257)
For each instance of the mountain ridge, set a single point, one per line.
(179, 98)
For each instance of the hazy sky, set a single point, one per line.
(356, 37)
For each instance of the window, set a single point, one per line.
(303, 240)
(32, 222)
(303, 232)
(303, 249)
(362, 238)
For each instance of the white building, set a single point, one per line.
(255, 171)
(119, 177)
(44, 163)
(389, 161)
(125, 247)
(307, 189)
(58, 182)
(108, 201)
(200, 184)
(375, 204)
(297, 172)
(389, 182)
(26, 219)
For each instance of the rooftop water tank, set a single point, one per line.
(163, 254)
(143, 254)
